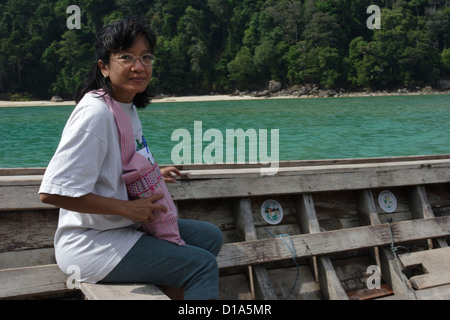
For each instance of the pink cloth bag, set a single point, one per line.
(144, 179)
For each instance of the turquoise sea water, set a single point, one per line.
(327, 128)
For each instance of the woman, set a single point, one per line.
(98, 228)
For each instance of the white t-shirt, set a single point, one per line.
(88, 160)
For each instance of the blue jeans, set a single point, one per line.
(192, 267)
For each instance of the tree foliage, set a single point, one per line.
(224, 45)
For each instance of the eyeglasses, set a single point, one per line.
(129, 59)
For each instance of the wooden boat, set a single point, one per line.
(374, 228)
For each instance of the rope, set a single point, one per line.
(291, 250)
(394, 250)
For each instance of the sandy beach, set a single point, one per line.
(168, 99)
(49, 103)
(43, 103)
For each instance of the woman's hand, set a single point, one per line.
(143, 210)
(168, 176)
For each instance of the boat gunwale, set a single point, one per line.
(28, 171)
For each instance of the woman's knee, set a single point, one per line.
(213, 238)
(202, 234)
(217, 240)
(205, 262)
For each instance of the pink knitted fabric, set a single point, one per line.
(144, 179)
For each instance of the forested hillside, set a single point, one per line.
(225, 45)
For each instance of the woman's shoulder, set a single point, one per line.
(93, 106)
(91, 113)
(94, 102)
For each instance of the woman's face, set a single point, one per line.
(127, 78)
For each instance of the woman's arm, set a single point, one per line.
(141, 210)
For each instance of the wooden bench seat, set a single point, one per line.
(48, 281)
(33, 282)
(139, 291)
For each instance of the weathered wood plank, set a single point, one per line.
(27, 230)
(306, 288)
(29, 180)
(317, 162)
(32, 281)
(329, 282)
(234, 287)
(430, 280)
(437, 195)
(291, 163)
(244, 219)
(421, 209)
(27, 258)
(435, 293)
(431, 260)
(311, 179)
(22, 171)
(259, 279)
(435, 263)
(142, 291)
(21, 198)
(383, 256)
(316, 244)
(229, 183)
(252, 172)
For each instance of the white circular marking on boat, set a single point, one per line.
(387, 201)
(272, 212)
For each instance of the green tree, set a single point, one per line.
(316, 59)
(192, 30)
(242, 69)
(400, 54)
(419, 62)
(25, 28)
(288, 15)
(171, 65)
(363, 59)
(76, 57)
(222, 45)
(445, 60)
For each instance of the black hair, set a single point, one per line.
(112, 38)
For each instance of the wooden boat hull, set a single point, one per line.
(333, 242)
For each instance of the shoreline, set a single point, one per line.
(206, 98)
